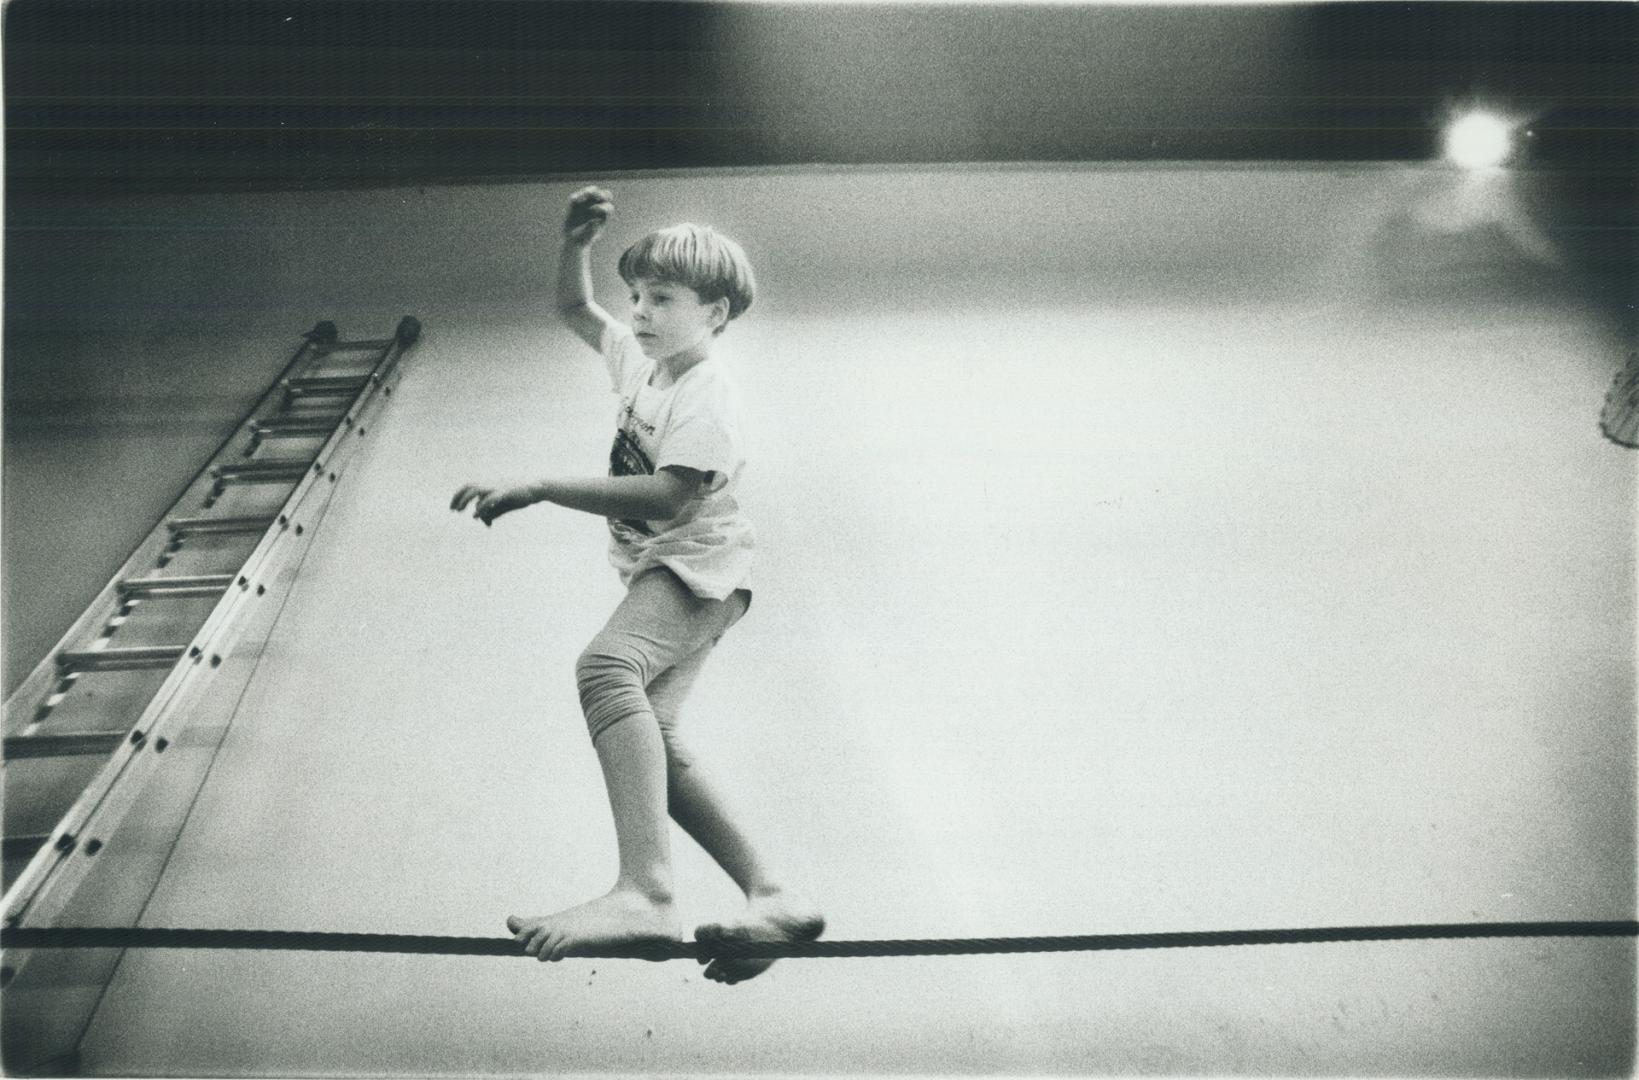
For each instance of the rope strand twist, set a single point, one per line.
(93, 937)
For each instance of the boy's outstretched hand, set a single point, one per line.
(492, 502)
(589, 210)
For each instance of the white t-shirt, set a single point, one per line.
(694, 423)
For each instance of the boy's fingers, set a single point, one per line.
(588, 205)
(588, 218)
(467, 494)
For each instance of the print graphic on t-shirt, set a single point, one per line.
(626, 458)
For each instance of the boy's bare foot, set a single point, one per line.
(768, 917)
(617, 919)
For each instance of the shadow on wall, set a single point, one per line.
(1446, 231)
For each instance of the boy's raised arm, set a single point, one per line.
(589, 210)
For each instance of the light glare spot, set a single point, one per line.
(1478, 141)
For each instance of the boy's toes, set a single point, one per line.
(554, 948)
(730, 972)
(708, 934)
(726, 969)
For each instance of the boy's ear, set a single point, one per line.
(719, 309)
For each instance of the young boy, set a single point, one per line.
(684, 552)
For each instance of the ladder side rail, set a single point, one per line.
(121, 852)
(214, 638)
(22, 703)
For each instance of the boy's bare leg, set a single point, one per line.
(773, 912)
(639, 908)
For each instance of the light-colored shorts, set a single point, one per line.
(647, 656)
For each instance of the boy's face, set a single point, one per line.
(669, 319)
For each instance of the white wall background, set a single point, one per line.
(1144, 549)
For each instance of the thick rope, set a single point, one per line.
(74, 937)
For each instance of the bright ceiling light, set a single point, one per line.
(1479, 141)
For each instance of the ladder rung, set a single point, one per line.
(182, 526)
(260, 472)
(326, 384)
(129, 659)
(205, 585)
(295, 428)
(69, 744)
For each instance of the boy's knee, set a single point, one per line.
(610, 684)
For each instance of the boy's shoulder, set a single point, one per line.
(708, 387)
(711, 374)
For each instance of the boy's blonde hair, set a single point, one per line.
(698, 257)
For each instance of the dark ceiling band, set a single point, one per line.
(31, 937)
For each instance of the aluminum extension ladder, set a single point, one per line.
(94, 721)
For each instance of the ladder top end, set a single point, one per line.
(409, 331)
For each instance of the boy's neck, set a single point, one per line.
(673, 368)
